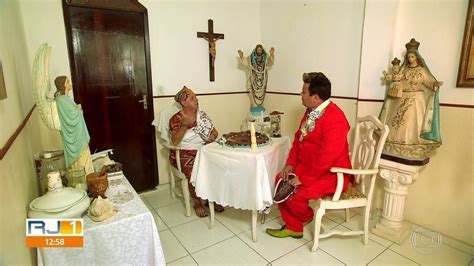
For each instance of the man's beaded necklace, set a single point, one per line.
(311, 119)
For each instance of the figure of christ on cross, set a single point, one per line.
(211, 38)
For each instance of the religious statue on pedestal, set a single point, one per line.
(411, 109)
(62, 113)
(257, 65)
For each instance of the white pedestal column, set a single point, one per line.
(398, 177)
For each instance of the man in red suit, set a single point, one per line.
(319, 144)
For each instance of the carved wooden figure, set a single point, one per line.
(211, 37)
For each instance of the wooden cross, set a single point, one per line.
(211, 38)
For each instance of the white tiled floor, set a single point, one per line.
(189, 241)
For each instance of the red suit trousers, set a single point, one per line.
(296, 210)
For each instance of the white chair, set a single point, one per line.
(161, 123)
(369, 138)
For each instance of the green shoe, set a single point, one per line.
(283, 232)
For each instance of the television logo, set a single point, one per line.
(426, 239)
(54, 233)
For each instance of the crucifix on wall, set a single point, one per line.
(211, 38)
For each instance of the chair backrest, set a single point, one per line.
(369, 138)
(161, 122)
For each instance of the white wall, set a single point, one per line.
(44, 23)
(18, 181)
(442, 196)
(17, 75)
(437, 24)
(377, 46)
(308, 36)
(180, 58)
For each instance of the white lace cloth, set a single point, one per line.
(130, 237)
(239, 177)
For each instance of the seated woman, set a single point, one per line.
(190, 129)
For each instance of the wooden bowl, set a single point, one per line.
(97, 184)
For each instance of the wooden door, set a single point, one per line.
(110, 65)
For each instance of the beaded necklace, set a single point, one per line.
(311, 119)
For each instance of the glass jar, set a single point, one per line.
(76, 178)
(47, 162)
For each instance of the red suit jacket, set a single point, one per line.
(325, 147)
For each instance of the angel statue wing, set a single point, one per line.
(42, 87)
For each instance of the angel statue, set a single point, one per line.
(61, 113)
(412, 114)
(257, 63)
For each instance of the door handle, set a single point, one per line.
(144, 101)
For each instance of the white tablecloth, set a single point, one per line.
(129, 237)
(239, 177)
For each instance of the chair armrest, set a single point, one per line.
(340, 185)
(340, 178)
(354, 171)
(176, 152)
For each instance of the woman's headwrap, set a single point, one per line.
(182, 95)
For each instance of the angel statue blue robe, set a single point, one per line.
(73, 129)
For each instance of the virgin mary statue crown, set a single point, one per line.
(412, 45)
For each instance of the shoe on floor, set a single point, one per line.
(283, 232)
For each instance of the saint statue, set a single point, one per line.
(257, 65)
(62, 113)
(411, 108)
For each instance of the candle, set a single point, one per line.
(253, 139)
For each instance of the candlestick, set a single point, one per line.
(253, 139)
